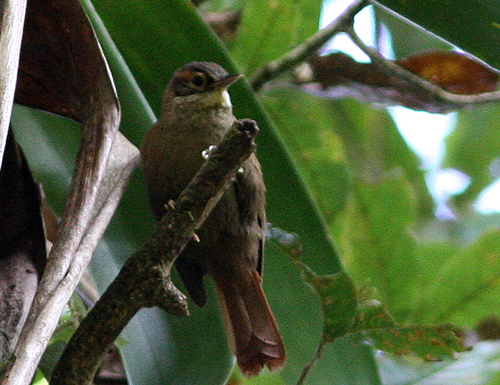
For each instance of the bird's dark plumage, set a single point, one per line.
(196, 114)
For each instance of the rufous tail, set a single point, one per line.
(253, 333)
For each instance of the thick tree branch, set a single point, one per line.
(273, 69)
(144, 281)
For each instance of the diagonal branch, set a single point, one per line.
(273, 69)
(144, 280)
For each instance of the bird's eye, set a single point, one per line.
(198, 80)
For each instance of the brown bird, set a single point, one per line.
(196, 113)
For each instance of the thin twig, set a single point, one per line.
(307, 368)
(273, 69)
(144, 281)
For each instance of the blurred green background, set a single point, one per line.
(339, 173)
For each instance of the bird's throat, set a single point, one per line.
(205, 100)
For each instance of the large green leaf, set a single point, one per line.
(271, 29)
(465, 289)
(50, 144)
(374, 147)
(305, 123)
(345, 362)
(471, 25)
(331, 140)
(377, 240)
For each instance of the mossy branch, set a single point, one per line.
(144, 280)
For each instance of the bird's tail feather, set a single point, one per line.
(253, 333)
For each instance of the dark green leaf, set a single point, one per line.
(337, 295)
(345, 362)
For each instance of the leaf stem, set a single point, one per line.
(317, 355)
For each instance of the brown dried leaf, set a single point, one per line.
(62, 70)
(338, 76)
(452, 71)
(339, 68)
(61, 67)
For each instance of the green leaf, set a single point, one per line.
(433, 256)
(51, 155)
(265, 378)
(305, 124)
(345, 362)
(377, 239)
(337, 295)
(429, 342)
(40, 379)
(269, 29)
(471, 25)
(406, 38)
(465, 289)
(374, 147)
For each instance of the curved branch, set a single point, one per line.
(439, 94)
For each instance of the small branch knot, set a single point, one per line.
(248, 125)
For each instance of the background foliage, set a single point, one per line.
(338, 172)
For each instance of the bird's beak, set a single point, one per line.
(227, 81)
